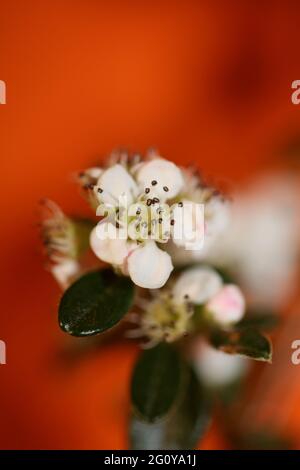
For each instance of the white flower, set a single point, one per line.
(149, 266)
(107, 246)
(203, 285)
(199, 284)
(227, 306)
(145, 187)
(216, 368)
(217, 217)
(116, 182)
(163, 319)
(167, 175)
(146, 203)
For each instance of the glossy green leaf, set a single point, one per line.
(156, 382)
(95, 302)
(182, 429)
(247, 342)
(260, 320)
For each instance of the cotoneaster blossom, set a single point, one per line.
(144, 204)
(217, 218)
(204, 286)
(167, 315)
(163, 319)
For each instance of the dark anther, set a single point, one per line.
(138, 212)
(160, 220)
(147, 190)
(180, 204)
(100, 190)
(155, 200)
(165, 188)
(172, 222)
(149, 202)
(154, 182)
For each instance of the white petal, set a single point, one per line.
(115, 183)
(107, 245)
(199, 283)
(65, 272)
(217, 216)
(228, 305)
(167, 175)
(216, 368)
(94, 172)
(149, 267)
(188, 230)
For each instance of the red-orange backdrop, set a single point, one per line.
(205, 82)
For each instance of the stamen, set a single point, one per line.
(154, 182)
(166, 189)
(149, 202)
(147, 190)
(155, 200)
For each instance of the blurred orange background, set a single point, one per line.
(204, 82)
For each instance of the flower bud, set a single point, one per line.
(227, 306)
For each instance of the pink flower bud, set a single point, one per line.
(228, 305)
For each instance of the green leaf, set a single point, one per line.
(190, 419)
(260, 320)
(156, 382)
(182, 429)
(95, 302)
(250, 343)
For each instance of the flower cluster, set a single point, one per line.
(156, 227)
(150, 206)
(151, 212)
